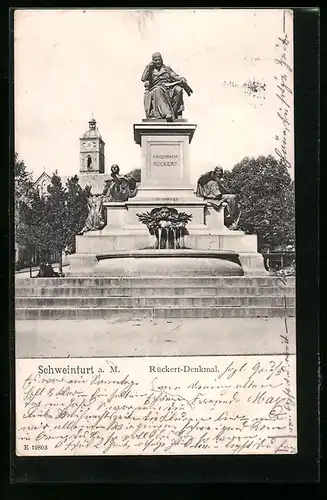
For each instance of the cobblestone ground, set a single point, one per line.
(64, 338)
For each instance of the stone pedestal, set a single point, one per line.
(214, 219)
(116, 216)
(165, 152)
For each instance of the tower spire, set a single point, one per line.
(92, 122)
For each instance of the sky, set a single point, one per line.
(72, 63)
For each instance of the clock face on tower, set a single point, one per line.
(89, 145)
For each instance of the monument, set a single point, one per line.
(165, 226)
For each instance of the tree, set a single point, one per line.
(66, 212)
(45, 224)
(33, 231)
(266, 195)
(56, 223)
(23, 179)
(23, 186)
(76, 211)
(23, 194)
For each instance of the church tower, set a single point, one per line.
(92, 150)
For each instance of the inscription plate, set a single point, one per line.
(165, 162)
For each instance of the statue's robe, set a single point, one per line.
(95, 219)
(160, 101)
(215, 193)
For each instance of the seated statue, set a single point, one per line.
(120, 187)
(163, 97)
(210, 187)
(95, 219)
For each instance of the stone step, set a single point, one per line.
(176, 281)
(163, 291)
(141, 302)
(37, 313)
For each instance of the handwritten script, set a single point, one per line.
(153, 406)
(284, 94)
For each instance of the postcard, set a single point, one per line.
(154, 232)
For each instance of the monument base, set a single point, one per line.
(135, 265)
(126, 235)
(160, 263)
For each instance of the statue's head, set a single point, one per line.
(114, 169)
(218, 172)
(157, 60)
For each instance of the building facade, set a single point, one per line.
(41, 184)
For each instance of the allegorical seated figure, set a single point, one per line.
(95, 219)
(163, 97)
(211, 188)
(120, 187)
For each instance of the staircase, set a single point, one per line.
(169, 297)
